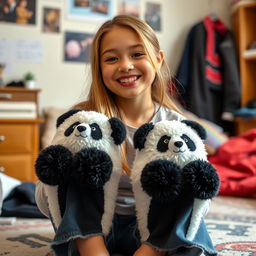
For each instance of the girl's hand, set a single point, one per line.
(148, 250)
(91, 246)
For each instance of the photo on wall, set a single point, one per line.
(90, 10)
(153, 16)
(51, 20)
(77, 47)
(18, 11)
(129, 7)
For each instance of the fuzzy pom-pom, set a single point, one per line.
(92, 167)
(161, 179)
(53, 164)
(119, 131)
(141, 134)
(201, 179)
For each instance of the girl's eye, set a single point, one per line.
(138, 54)
(111, 59)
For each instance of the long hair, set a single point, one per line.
(101, 99)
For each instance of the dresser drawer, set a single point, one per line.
(20, 166)
(18, 94)
(16, 138)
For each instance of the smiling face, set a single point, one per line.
(126, 68)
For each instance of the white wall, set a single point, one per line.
(63, 83)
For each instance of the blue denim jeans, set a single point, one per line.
(82, 218)
(123, 238)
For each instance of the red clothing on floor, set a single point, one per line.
(235, 162)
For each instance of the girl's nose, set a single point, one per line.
(126, 66)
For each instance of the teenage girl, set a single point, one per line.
(129, 81)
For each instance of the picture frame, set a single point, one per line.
(21, 12)
(77, 46)
(90, 10)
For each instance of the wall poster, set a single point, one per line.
(90, 10)
(77, 46)
(21, 12)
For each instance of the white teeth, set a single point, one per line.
(128, 80)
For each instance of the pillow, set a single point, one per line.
(215, 134)
(8, 184)
(50, 115)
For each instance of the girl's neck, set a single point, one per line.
(135, 113)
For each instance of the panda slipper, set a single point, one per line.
(173, 184)
(80, 172)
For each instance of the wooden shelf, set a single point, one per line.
(242, 125)
(250, 58)
(244, 27)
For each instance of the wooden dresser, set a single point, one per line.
(19, 138)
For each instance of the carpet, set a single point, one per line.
(231, 223)
(26, 237)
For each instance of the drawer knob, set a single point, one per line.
(1, 169)
(5, 96)
(2, 138)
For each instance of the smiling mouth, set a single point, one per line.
(179, 151)
(80, 135)
(129, 81)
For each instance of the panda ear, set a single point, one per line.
(141, 134)
(66, 115)
(197, 127)
(118, 130)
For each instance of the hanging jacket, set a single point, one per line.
(209, 94)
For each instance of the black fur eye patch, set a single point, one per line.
(96, 131)
(71, 129)
(162, 144)
(191, 145)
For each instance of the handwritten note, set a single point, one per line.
(6, 50)
(29, 51)
(21, 50)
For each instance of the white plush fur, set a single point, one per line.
(75, 144)
(51, 193)
(200, 209)
(149, 153)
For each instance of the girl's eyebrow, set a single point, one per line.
(115, 50)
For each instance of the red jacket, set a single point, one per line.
(235, 162)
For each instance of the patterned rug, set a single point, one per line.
(231, 223)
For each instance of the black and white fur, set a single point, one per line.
(77, 132)
(171, 157)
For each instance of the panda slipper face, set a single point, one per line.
(175, 141)
(83, 129)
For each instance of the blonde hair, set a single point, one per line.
(101, 99)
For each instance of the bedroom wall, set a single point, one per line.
(63, 83)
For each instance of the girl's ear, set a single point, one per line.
(118, 130)
(141, 134)
(160, 58)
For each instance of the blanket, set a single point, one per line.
(235, 162)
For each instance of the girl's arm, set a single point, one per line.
(91, 246)
(148, 250)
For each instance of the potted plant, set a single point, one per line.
(29, 79)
